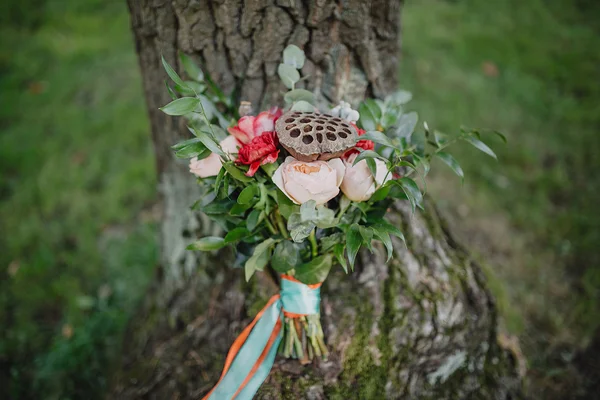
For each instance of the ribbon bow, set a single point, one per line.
(252, 354)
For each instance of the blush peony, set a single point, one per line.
(303, 181)
(359, 184)
(211, 165)
(260, 151)
(249, 126)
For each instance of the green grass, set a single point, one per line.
(529, 70)
(78, 242)
(77, 172)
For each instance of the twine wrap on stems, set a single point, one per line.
(253, 352)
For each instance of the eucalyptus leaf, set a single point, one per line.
(286, 256)
(400, 97)
(296, 95)
(288, 75)
(294, 56)
(303, 106)
(315, 271)
(308, 211)
(299, 229)
(182, 106)
(374, 108)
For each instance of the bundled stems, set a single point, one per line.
(303, 339)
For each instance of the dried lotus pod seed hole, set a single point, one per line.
(307, 128)
(347, 131)
(343, 135)
(334, 124)
(331, 136)
(304, 120)
(330, 128)
(320, 128)
(337, 120)
(290, 126)
(295, 133)
(319, 137)
(307, 139)
(289, 120)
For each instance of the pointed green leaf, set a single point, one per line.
(182, 106)
(286, 256)
(315, 271)
(452, 163)
(481, 146)
(248, 194)
(236, 235)
(406, 124)
(378, 137)
(236, 173)
(192, 69)
(353, 243)
(338, 251)
(412, 191)
(172, 74)
(208, 243)
(259, 259)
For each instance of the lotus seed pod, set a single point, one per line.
(309, 136)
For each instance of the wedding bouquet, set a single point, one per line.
(298, 190)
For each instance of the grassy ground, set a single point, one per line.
(528, 69)
(77, 178)
(77, 246)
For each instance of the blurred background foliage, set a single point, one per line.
(78, 188)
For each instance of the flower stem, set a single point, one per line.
(313, 243)
(281, 224)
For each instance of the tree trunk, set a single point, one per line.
(421, 326)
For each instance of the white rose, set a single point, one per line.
(303, 181)
(359, 184)
(211, 165)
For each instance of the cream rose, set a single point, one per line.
(359, 184)
(211, 165)
(304, 181)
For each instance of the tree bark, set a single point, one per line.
(421, 326)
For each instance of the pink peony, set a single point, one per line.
(249, 126)
(260, 151)
(211, 165)
(303, 181)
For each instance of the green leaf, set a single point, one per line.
(172, 74)
(247, 195)
(372, 166)
(207, 139)
(367, 119)
(182, 106)
(299, 229)
(236, 173)
(255, 218)
(406, 124)
(384, 237)
(338, 251)
(400, 97)
(191, 148)
(415, 197)
(367, 235)
(385, 226)
(171, 92)
(315, 271)
(208, 243)
(259, 259)
(380, 194)
(501, 136)
(296, 95)
(440, 138)
(288, 75)
(236, 234)
(294, 56)
(303, 106)
(308, 211)
(389, 118)
(286, 256)
(374, 109)
(452, 163)
(328, 242)
(239, 209)
(325, 218)
(378, 137)
(286, 206)
(192, 69)
(368, 154)
(353, 243)
(480, 146)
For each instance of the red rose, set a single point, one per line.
(363, 144)
(260, 151)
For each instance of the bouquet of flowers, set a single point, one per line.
(299, 190)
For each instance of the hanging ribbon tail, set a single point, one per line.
(252, 354)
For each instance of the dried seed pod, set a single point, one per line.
(309, 136)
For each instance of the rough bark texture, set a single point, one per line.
(421, 326)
